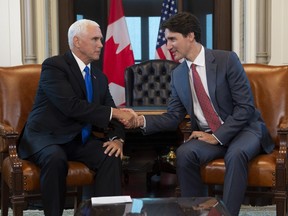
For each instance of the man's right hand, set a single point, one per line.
(128, 118)
(138, 121)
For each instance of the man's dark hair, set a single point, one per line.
(183, 23)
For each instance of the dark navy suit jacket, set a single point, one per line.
(230, 94)
(61, 110)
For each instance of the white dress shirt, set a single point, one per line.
(201, 69)
(82, 66)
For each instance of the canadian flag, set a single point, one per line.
(118, 53)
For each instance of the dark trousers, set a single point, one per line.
(193, 154)
(52, 161)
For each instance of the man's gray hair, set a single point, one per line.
(77, 28)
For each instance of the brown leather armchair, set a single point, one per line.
(270, 90)
(20, 178)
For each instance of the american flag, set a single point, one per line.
(169, 8)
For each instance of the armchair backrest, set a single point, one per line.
(148, 83)
(18, 85)
(270, 89)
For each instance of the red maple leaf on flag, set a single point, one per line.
(118, 53)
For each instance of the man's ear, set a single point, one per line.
(191, 36)
(76, 41)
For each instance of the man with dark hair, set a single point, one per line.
(72, 99)
(211, 86)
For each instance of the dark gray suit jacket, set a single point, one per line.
(230, 94)
(61, 110)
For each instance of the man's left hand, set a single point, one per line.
(206, 137)
(114, 147)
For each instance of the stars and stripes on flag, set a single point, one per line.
(118, 52)
(169, 8)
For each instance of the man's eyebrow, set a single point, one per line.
(98, 38)
(170, 38)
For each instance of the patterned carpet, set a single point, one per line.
(245, 211)
(258, 211)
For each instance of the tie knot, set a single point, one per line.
(86, 70)
(193, 66)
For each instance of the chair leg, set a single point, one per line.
(4, 198)
(17, 203)
(77, 198)
(281, 205)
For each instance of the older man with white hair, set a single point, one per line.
(72, 99)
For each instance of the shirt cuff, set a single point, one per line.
(144, 123)
(111, 114)
(220, 143)
(116, 138)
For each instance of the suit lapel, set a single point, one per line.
(95, 84)
(211, 72)
(183, 80)
(184, 84)
(75, 70)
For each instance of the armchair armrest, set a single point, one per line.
(7, 130)
(282, 132)
(7, 133)
(8, 144)
(283, 124)
(281, 160)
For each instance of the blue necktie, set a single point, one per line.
(86, 131)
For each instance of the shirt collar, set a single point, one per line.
(80, 63)
(199, 60)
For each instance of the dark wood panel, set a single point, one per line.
(221, 10)
(222, 34)
(66, 18)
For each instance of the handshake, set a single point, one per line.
(128, 117)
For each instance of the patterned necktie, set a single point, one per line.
(86, 131)
(204, 101)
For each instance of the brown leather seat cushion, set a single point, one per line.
(261, 171)
(78, 174)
